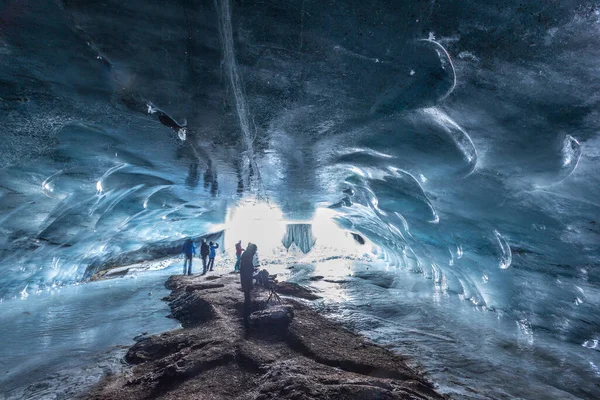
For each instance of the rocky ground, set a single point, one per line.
(290, 352)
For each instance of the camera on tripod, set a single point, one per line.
(268, 281)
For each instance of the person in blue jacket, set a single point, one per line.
(189, 250)
(211, 255)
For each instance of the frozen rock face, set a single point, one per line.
(460, 137)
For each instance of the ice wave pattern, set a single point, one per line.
(464, 146)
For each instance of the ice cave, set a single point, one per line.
(421, 179)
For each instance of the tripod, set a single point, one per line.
(272, 293)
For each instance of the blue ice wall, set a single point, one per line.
(460, 137)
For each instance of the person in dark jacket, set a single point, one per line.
(238, 255)
(211, 255)
(246, 273)
(189, 250)
(204, 250)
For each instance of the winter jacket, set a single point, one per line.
(247, 267)
(213, 250)
(238, 249)
(188, 248)
(204, 249)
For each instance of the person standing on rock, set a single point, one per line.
(238, 255)
(204, 251)
(189, 250)
(246, 273)
(211, 255)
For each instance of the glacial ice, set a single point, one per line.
(465, 160)
(299, 234)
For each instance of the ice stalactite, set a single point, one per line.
(301, 235)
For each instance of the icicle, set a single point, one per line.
(301, 234)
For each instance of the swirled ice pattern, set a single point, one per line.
(460, 139)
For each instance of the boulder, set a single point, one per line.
(293, 289)
(191, 309)
(277, 317)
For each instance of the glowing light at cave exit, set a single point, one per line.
(330, 237)
(257, 222)
(265, 225)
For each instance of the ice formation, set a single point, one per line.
(468, 159)
(300, 235)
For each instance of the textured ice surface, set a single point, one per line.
(469, 353)
(63, 340)
(459, 139)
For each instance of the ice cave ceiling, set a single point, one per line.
(461, 136)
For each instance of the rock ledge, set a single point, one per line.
(291, 352)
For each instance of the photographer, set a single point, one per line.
(247, 265)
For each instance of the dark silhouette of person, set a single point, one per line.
(204, 251)
(189, 250)
(211, 255)
(246, 274)
(238, 255)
